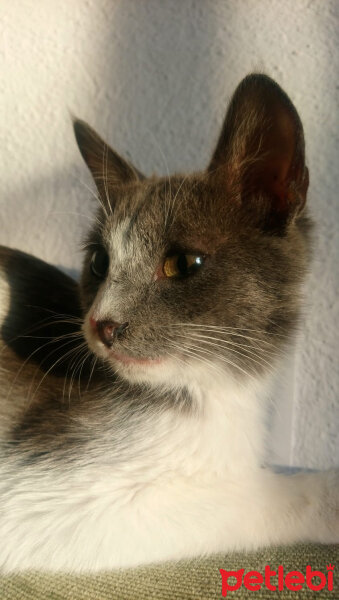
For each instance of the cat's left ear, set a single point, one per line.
(260, 155)
(106, 166)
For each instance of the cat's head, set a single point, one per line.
(200, 273)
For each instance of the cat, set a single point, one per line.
(133, 406)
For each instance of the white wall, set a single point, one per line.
(153, 76)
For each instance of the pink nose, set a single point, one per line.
(108, 331)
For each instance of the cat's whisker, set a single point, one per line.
(46, 324)
(72, 367)
(244, 353)
(225, 332)
(186, 350)
(221, 327)
(74, 213)
(105, 176)
(92, 218)
(251, 347)
(230, 330)
(191, 354)
(94, 363)
(98, 176)
(78, 361)
(171, 215)
(242, 349)
(65, 382)
(94, 193)
(86, 357)
(199, 349)
(39, 325)
(167, 207)
(57, 349)
(226, 361)
(48, 337)
(63, 357)
(83, 356)
(56, 314)
(167, 195)
(23, 365)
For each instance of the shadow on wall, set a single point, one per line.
(157, 103)
(164, 116)
(66, 205)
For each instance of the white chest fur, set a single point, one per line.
(189, 484)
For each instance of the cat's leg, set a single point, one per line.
(131, 524)
(246, 511)
(254, 510)
(265, 508)
(295, 508)
(190, 518)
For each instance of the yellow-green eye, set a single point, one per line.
(182, 265)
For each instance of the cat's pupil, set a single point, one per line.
(99, 263)
(182, 264)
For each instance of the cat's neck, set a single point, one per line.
(231, 420)
(221, 430)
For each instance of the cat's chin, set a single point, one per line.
(168, 372)
(152, 371)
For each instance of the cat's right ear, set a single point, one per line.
(260, 155)
(106, 166)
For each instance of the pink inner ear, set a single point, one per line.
(281, 169)
(260, 151)
(275, 181)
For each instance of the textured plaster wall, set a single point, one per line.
(154, 76)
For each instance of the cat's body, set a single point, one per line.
(191, 296)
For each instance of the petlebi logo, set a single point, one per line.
(277, 580)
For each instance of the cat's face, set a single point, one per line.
(197, 273)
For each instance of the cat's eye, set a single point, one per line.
(99, 263)
(182, 265)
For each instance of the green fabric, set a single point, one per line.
(197, 579)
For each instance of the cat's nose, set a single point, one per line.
(109, 331)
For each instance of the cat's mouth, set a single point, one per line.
(130, 360)
(108, 351)
(124, 359)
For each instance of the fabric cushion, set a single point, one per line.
(197, 579)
